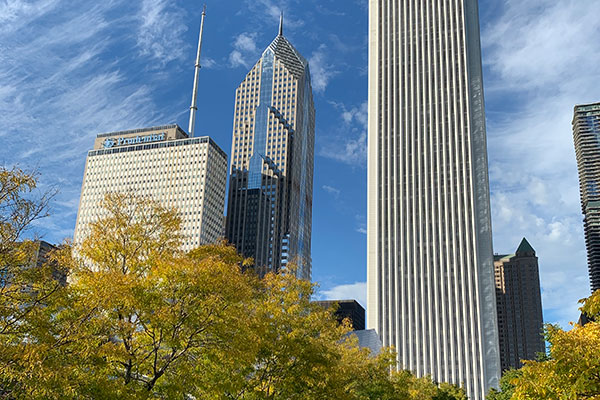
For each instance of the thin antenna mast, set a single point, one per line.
(281, 24)
(193, 107)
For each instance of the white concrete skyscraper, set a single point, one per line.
(430, 289)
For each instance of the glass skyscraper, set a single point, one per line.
(269, 212)
(586, 134)
(430, 273)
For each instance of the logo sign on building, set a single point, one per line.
(155, 137)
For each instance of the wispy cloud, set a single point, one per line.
(537, 57)
(61, 86)
(208, 62)
(353, 291)
(17, 13)
(245, 50)
(332, 191)
(160, 31)
(320, 70)
(361, 224)
(329, 11)
(351, 147)
(271, 9)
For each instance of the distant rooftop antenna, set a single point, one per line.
(281, 24)
(193, 107)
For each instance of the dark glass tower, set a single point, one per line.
(269, 212)
(586, 135)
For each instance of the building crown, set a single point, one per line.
(525, 249)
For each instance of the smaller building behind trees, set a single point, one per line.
(519, 304)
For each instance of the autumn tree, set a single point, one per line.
(141, 319)
(299, 351)
(21, 288)
(572, 370)
(154, 314)
(25, 288)
(507, 388)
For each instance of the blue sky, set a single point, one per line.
(72, 69)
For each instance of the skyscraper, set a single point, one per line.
(586, 135)
(519, 302)
(165, 164)
(269, 212)
(430, 273)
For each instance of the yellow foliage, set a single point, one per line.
(573, 370)
(143, 320)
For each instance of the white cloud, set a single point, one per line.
(361, 224)
(331, 190)
(17, 13)
(60, 87)
(540, 64)
(208, 62)
(321, 72)
(160, 31)
(349, 151)
(351, 146)
(354, 291)
(534, 43)
(272, 10)
(245, 50)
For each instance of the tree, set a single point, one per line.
(25, 288)
(299, 350)
(573, 368)
(507, 388)
(22, 288)
(158, 314)
(141, 319)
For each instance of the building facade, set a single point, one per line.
(586, 135)
(347, 309)
(430, 273)
(163, 163)
(519, 304)
(41, 256)
(269, 212)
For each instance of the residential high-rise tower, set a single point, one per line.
(586, 135)
(269, 212)
(430, 290)
(519, 302)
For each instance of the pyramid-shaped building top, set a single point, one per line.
(287, 53)
(525, 249)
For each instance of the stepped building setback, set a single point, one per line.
(166, 165)
(269, 212)
(430, 271)
(586, 135)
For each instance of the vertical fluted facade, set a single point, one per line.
(586, 135)
(430, 290)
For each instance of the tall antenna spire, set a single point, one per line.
(281, 24)
(193, 107)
